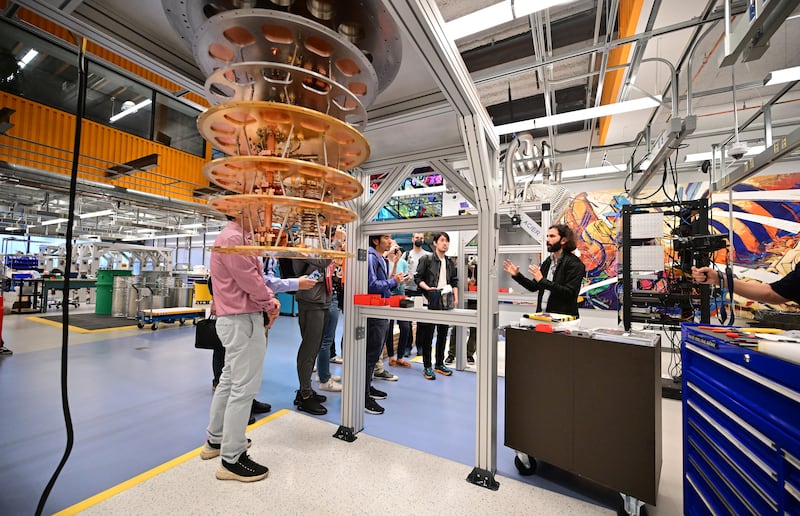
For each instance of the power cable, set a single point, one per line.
(73, 187)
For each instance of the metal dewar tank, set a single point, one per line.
(119, 296)
(181, 295)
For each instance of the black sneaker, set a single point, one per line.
(470, 360)
(376, 394)
(211, 450)
(449, 360)
(312, 406)
(259, 407)
(244, 470)
(252, 420)
(321, 398)
(371, 406)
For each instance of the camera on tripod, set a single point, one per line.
(698, 249)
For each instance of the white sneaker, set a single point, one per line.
(334, 377)
(331, 385)
(337, 360)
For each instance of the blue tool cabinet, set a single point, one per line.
(741, 428)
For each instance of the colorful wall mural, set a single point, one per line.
(766, 225)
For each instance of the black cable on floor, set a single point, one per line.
(73, 187)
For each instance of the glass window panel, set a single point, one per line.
(37, 69)
(176, 126)
(115, 100)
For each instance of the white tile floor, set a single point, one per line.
(314, 474)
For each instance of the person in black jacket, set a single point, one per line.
(434, 273)
(313, 311)
(559, 278)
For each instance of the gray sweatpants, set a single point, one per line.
(245, 344)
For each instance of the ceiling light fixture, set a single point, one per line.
(130, 111)
(27, 58)
(581, 172)
(579, 115)
(101, 213)
(411, 192)
(497, 14)
(593, 171)
(52, 221)
(176, 235)
(193, 226)
(781, 76)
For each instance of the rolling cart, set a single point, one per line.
(154, 316)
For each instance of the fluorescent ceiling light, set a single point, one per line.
(581, 114)
(130, 111)
(27, 58)
(100, 213)
(193, 226)
(495, 15)
(594, 171)
(781, 76)
(176, 235)
(411, 192)
(703, 156)
(53, 221)
(579, 172)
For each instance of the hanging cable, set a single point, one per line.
(73, 186)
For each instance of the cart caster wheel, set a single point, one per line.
(140, 325)
(154, 327)
(631, 506)
(181, 322)
(622, 512)
(524, 470)
(194, 322)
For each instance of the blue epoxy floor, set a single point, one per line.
(140, 398)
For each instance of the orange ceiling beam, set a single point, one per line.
(629, 13)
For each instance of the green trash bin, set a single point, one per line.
(105, 286)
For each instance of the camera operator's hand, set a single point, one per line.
(705, 276)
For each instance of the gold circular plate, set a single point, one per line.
(280, 252)
(286, 210)
(274, 129)
(282, 176)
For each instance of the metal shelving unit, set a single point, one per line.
(655, 303)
